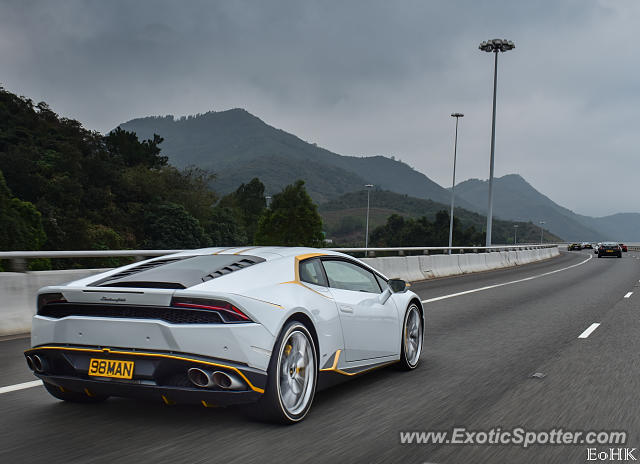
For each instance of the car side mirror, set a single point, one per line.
(397, 285)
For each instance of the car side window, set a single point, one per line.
(348, 276)
(311, 272)
(382, 282)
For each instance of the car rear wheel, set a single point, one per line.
(73, 397)
(412, 338)
(293, 375)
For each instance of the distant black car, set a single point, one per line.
(609, 249)
(574, 246)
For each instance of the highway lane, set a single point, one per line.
(480, 351)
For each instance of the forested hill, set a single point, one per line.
(239, 146)
(344, 219)
(65, 187)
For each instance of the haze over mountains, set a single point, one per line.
(238, 146)
(515, 199)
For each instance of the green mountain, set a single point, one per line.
(344, 217)
(238, 146)
(515, 199)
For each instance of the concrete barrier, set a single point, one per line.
(473, 262)
(433, 266)
(18, 290)
(18, 295)
(445, 265)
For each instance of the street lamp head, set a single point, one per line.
(497, 45)
(457, 115)
(369, 186)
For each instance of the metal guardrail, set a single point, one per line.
(18, 259)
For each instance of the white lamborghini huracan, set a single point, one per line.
(219, 326)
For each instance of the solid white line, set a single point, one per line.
(488, 287)
(591, 328)
(20, 386)
(628, 294)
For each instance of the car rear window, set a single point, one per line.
(179, 272)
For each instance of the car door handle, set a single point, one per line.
(346, 308)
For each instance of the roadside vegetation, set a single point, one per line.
(63, 187)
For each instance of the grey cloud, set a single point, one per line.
(358, 77)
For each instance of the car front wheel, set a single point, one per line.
(412, 338)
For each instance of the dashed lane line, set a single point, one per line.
(589, 330)
(20, 386)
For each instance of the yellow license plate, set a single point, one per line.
(111, 368)
(609, 251)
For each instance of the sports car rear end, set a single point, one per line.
(149, 332)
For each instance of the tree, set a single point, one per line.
(247, 204)
(20, 222)
(126, 147)
(224, 229)
(170, 226)
(400, 231)
(292, 219)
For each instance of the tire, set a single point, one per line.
(412, 338)
(281, 403)
(73, 397)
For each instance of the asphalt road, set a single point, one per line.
(481, 349)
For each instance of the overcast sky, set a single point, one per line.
(361, 78)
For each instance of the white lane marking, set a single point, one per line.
(488, 287)
(20, 386)
(590, 329)
(628, 294)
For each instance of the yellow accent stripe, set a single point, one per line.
(296, 269)
(167, 401)
(157, 355)
(224, 249)
(246, 249)
(302, 258)
(335, 369)
(208, 405)
(308, 288)
(89, 394)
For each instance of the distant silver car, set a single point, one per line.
(219, 326)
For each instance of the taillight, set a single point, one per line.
(227, 311)
(49, 298)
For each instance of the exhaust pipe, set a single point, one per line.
(39, 364)
(200, 378)
(30, 363)
(203, 379)
(227, 381)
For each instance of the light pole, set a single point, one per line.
(495, 46)
(515, 234)
(453, 184)
(541, 231)
(366, 234)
